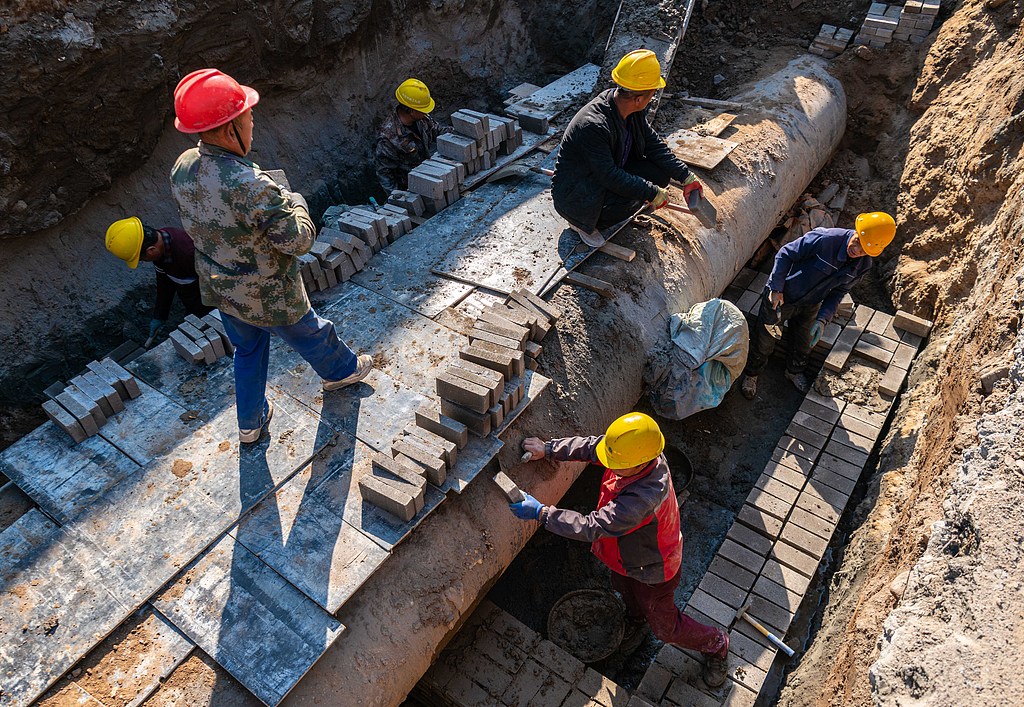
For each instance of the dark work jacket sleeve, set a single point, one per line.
(164, 297)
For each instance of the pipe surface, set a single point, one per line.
(403, 616)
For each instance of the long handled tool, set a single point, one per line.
(741, 613)
(518, 170)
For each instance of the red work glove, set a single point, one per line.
(692, 185)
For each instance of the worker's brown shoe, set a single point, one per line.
(250, 436)
(364, 364)
(748, 386)
(593, 239)
(716, 669)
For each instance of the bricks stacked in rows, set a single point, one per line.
(201, 340)
(394, 486)
(910, 331)
(338, 253)
(831, 41)
(83, 406)
(916, 20)
(879, 26)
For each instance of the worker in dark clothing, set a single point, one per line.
(611, 160)
(634, 531)
(407, 137)
(810, 277)
(173, 256)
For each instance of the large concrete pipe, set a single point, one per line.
(402, 617)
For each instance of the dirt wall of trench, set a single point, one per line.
(950, 143)
(86, 132)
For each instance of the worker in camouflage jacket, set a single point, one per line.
(248, 231)
(407, 137)
(634, 531)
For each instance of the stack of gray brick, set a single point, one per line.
(394, 486)
(916, 20)
(532, 119)
(491, 134)
(831, 42)
(879, 25)
(201, 340)
(84, 405)
(337, 254)
(408, 201)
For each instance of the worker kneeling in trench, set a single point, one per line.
(248, 231)
(634, 530)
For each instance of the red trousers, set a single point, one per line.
(657, 604)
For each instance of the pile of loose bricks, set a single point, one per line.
(831, 41)
(884, 23)
(475, 144)
(83, 406)
(476, 393)
(496, 660)
(202, 340)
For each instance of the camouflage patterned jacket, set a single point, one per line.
(248, 231)
(400, 148)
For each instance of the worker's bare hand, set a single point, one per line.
(775, 299)
(535, 447)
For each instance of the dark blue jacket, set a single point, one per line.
(590, 157)
(816, 268)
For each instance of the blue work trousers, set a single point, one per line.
(312, 337)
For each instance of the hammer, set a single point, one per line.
(741, 613)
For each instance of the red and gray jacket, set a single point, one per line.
(635, 528)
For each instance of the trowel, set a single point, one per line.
(698, 206)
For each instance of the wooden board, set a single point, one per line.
(341, 467)
(57, 594)
(130, 664)
(260, 628)
(698, 150)
(64, 478)
(716, 125)
(148, 426)
(299, 533)
(406, 345)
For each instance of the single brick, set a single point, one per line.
(452, 430)
(860, 413)
(833, 480)
(904, 356)
(843, 347)
(750, 539)
(64, 420)
(457, 147)
(747, 559)
(776, 488)
(732, 573)
(750, 650)
(387, 497)
(891, 383)
(485, 672)
(477, 334)
(423, 458)
(558, 661)
(468, 125)
(655, 681)
(797, 448)
(777, 594)
(448, 449)
(774, 617)
(853, 440)
(493, 381)
(873, 353)
(785, 475)
(756, 519)
(812, 523)
(191, 331)
(186, 347)
(804, 540)
(806, 435)
(805, 419)
(106, 374)
(879, 323)
(506, 361)
(794, 557)
(854, 457)
(768, 503)
(786, 577)
(426, 185)
(864, 429)
(505, 652)
(822, 501)
(457, 390)
(497, 412)
(798, 464)
(721, 613)
(477, 423)
(825, 414)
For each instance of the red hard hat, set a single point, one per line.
(209, 98)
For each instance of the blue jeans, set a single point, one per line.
(312, 337)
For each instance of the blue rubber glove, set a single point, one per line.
(154, 326)
(816, 331)
(527, 509)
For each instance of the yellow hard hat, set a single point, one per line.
(414, 94)
(124, 239)
(638, 71)
(632, 440)
(876, 231)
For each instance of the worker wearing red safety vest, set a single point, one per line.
(634, 530)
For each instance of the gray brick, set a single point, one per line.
(426, 185)
(131, 385)
(750, 650)
(805, 419)
(821, 501)
(836, 481)
(777, 594)
(853, 457)
(462, 392)
(786, 576)
(873, 353)
(872, 418)
(412, 455)
(64, 420)
(507, 362)
(553, 692)
(726, 592)
(853, 440)
(768, 503)
(505, 329)
(497, 412)
(786, 475)
(94, 394)
(799, 464)
(492, 381)
(559, 661)
(464, 691)
(448, 449)
(756, 519)
(721, 613)
(793, 557)
(843, 347)
(865, 429)
(739, 555)
(805, 435)
(798, 448)
(452, 430)
(185, 347)
(390, 470)
(812, 523)
(525, 684)
(468, 125)
(485, 672)
(774, 617)
(387, 497)
(457, 147)
(504, 652)
(477, 423)
(891, 383)
(681, 692)
(654, 683)
(477, 334)
(826, 415)
(508, 487)
(74, 393)
(803, 540)
(778, 489)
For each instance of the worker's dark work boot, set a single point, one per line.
(634, 634)
(800, 380)
(748, 386)
(716, 669)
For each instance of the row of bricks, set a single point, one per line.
(841, 34)
(337, 254)
(84, 405)
(423, 453)
(879, 337)
(917, 22)
(675, 679)
(924, 7)
(202, 340)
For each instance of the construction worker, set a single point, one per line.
(407, 137)
(173, 256)
(810, 277)
(248, 231)
(634, 530)
(611, 160)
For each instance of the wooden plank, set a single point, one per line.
(57, 594)
(148, 426)
(701, 151)
(715, 126)
(259, 627)
(131, 663)
(301, 534)
(62, 477)
(593, 284)
(344, 465)
(618, 251)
